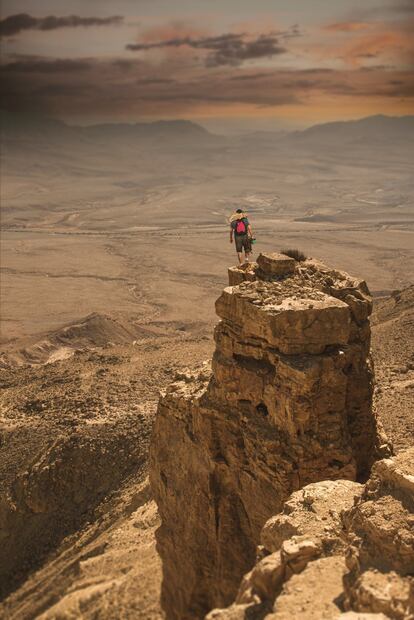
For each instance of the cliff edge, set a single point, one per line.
(286, 402)
(338, 551)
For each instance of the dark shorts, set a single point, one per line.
(242, 242)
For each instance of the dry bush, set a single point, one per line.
(296, 254)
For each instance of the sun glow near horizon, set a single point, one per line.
(271, 64)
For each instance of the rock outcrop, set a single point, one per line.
(287, 402)
(351, 544)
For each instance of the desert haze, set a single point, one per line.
(132, 219)
(115, 245)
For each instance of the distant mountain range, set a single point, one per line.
(21, 126)
(373, 129)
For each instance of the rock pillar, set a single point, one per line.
(287, 402)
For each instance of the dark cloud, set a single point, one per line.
(292, 33)
(394, 8)
(376, 68)
(340, 88)
(128, 67)
(104, 89)
(22, 21)
(318, 70)
(40, 65)
(122, 63)
(368, 55)
(187, 94)
(101, 89)
(225, 49)
(262, 47)
(400, 88)
(63, 90)
(151, 81)
(211, 43)
(249, 76)
(403, 7)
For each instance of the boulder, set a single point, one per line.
(242, 273)
(276, 265)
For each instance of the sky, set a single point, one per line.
(232, 65)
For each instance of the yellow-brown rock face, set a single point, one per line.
(288, 402)
(337, 546)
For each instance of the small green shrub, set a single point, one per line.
(296, 254)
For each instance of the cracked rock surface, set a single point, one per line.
(350, 561)
(286, 403)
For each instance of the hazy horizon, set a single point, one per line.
(219, 126)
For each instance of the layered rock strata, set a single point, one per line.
(338, 550)
(287, 402)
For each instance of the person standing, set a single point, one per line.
(241, 231)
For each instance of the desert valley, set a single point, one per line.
(115, 248)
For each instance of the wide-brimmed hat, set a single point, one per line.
(237, 216)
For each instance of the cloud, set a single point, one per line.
(349, 26)
(393, 9)
(41, 65)
(103, 88)
(367, 55)
(386, 43)
(123, 63)
(63, 90)
(152, 81)
(406, 6)
(233, 54)
(225, 49)
(358, 42)
(318, 70)
(14, 24)
(250, 76)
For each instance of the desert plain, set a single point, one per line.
(142, 229)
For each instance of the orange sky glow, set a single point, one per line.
(87, 62)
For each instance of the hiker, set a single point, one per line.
(241, 229)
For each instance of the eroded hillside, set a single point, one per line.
(77, 518)
(393, 350)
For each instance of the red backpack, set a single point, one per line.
(241, 228)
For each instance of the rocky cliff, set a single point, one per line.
(286, 402)
(353, 544)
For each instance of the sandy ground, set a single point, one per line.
(142, 245)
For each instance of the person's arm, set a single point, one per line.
(249, 231)
(231, 233)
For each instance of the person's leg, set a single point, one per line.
(239, 248)
(247, 248)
